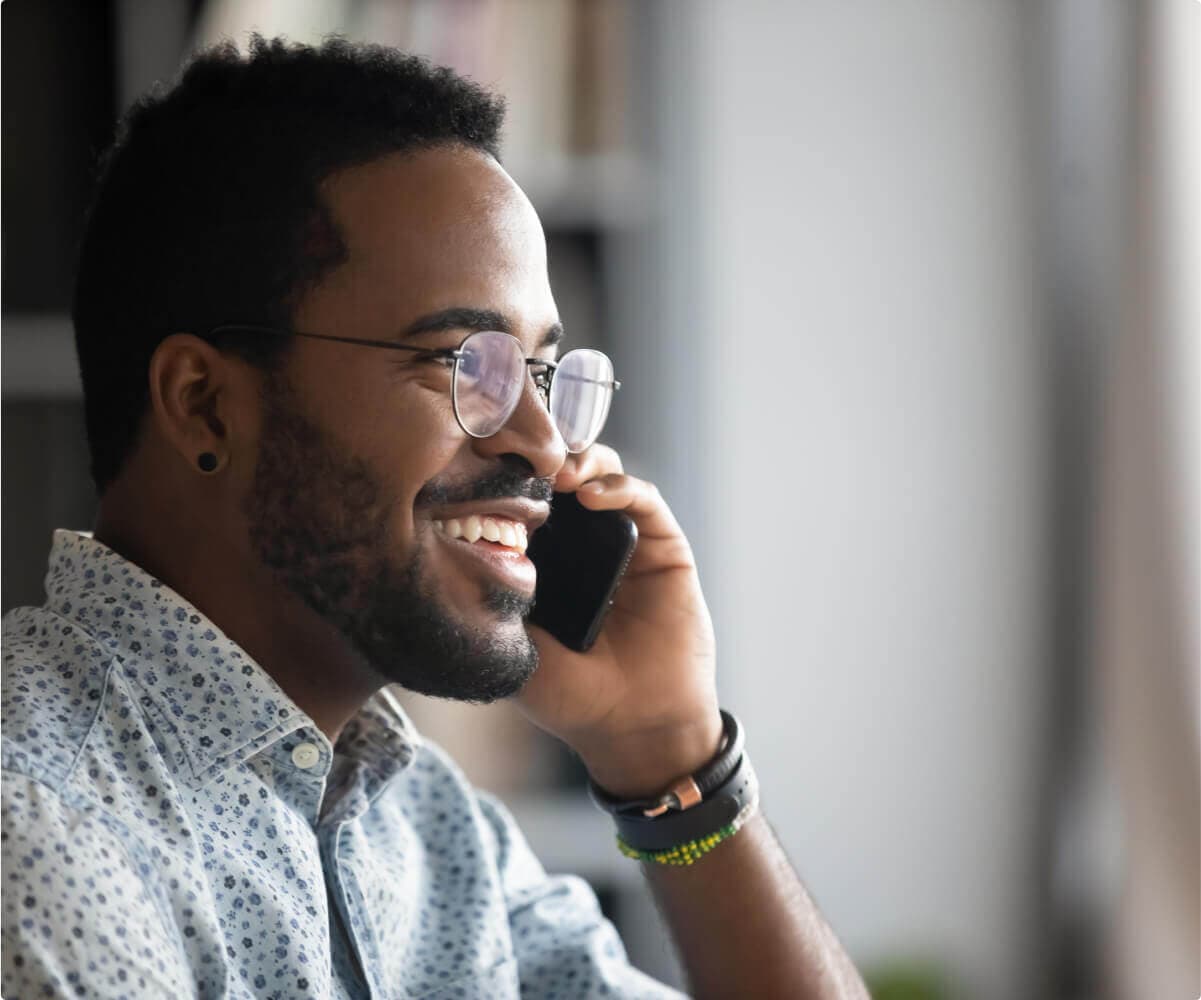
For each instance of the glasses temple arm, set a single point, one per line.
(233, 327)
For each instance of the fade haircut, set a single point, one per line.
(207, 208)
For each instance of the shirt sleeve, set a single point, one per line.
(76, 912)
(564, 944)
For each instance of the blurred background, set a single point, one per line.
(904, 297)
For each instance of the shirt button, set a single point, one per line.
(305, 755)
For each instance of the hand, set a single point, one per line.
(640, 707)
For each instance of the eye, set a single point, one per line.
(541, 376)
(431, 357)
(429, 366)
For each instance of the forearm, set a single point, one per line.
(744, 925)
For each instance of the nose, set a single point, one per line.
(529, 432)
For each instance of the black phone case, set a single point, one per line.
(581, 556)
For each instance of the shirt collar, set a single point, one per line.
(375, 745)
(199, 685)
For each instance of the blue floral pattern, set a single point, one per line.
(174, 825)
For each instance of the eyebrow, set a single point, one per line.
(466, 318)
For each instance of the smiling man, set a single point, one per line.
(317, 343)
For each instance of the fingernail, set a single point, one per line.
(596, 486)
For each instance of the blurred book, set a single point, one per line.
(563, 66)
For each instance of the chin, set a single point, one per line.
(508, 606)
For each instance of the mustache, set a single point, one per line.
(507, 481)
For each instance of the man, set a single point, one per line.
(306, 298)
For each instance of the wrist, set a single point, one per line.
(684, 822)
(640, 764)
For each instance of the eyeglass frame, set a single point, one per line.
(453, 353)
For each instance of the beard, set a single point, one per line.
(318, 519)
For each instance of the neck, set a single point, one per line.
(305, 656)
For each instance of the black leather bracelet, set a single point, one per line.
(693, 807)
(720, 810)
(707, 779)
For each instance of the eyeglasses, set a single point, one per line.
(488, 376)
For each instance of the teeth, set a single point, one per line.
(511, 534)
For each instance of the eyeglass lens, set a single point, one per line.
(490, 378)
(488, 381)
(580, 395)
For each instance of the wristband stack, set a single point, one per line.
(695, 814)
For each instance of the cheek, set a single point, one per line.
(406, 433)
(419, 444)
(400, 428)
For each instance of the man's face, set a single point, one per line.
(360, 453)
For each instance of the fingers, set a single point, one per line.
(636, 497)
(598, 479)
(599, 460)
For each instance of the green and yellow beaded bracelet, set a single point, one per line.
(692, 851)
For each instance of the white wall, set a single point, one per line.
(864, 489)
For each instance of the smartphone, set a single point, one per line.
(581, 556)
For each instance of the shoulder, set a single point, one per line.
(53, 682)
(118, 936)
(47, 828)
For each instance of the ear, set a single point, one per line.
(195, 395)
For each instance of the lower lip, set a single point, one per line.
(509, 566)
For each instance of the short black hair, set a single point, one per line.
(207, 209)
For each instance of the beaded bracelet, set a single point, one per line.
(692, 851)
(696, 814)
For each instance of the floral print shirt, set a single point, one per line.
(175, 826)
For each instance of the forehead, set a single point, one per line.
(434, 229)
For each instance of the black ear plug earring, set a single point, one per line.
(207, 461)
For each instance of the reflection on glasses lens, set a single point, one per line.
(488, 381)
(580, 394)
